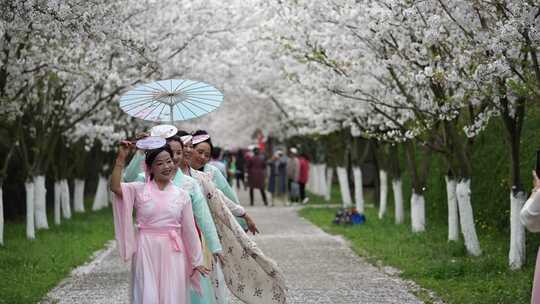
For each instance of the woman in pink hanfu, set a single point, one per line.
(164, 248)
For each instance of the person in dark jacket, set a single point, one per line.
(256, 168)
(303, 176)
(277, 181)
(240, 172)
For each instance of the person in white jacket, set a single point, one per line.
(530, 218)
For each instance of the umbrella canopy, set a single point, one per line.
(171, 100)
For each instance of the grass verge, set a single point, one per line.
(434, 263)
(29, 269)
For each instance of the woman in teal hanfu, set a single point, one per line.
(212, 249)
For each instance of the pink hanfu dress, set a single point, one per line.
(163, 245)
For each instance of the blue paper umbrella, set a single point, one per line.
(171, 100)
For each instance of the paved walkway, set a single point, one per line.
(319, 268)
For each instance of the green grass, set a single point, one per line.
(434, 263)
(29, 269)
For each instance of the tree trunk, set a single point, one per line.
(40, 203)
(383, 176)
(514, 125)
(398, 200)
(322, 180)
(358, 190)
(516, 257)
(313, 180)
(344, 187)
(418, 179)
(453, 216)
(311, 177)
(418, 212)
(57, 202)
(329, 178)
(466, 217)
(100, 200)
(30, 228)
(65, 199)
(1, 217)
(78, 195)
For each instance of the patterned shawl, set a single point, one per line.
(249, 274)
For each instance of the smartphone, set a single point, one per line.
(537, 167)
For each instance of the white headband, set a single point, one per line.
(200, 138)
(186, 139)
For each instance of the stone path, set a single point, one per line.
(319, 268)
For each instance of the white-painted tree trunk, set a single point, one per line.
(78, 195)
(322, 180)
(358, 190)
(453, 215)
(398, 200)
(57, 202)
(418, 212)
(516, 257)
(329, 179)
(383, 194)
(313, 177)
(344, 187)
(100, 200)
(40, 203)
(315, 183)
(30, 227)
(65, 199)
(1, 217)
(466, 217)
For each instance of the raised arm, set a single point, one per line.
(116, 176)
(530, 213)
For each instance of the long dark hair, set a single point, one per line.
(181, 133)
(152, 154)
(177, 139)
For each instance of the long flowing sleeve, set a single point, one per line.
(204, 219)
(236, 209)
(530, 213)
(192, 244)
(133, 169)
(123, 220)
(222, 184)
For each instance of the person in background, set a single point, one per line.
(272, 176)
(216, 162)
(282, 175)
(303, 176)
(293, 167)
(240, 172)
(230, 166)
(256, 168)
(277, 181)
(530, 218)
